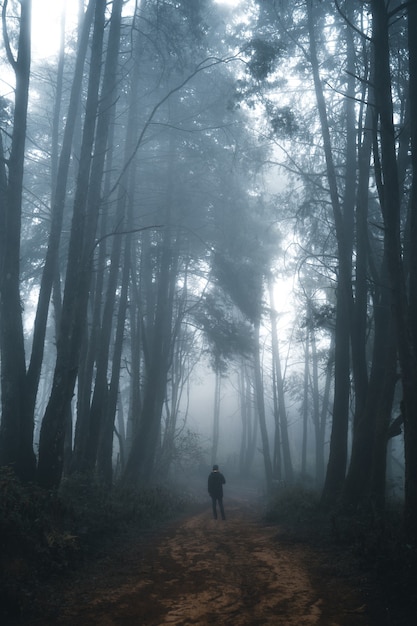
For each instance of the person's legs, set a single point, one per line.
(213, 502)
(221, 508)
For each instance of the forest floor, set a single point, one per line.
(197, 570)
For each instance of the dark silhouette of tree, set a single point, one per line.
(389, 190)
(78, 274)
(281, 436)
(59, 192)
(16, 432)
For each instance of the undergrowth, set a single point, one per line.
(377, 546)
(45, 533)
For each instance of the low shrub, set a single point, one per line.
(292, 505)
(373, 546)
(44, 533)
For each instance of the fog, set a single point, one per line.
(184, 275)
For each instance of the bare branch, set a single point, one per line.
(126, 232)
(6, 38)
(206, 64)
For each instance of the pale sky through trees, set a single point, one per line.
(46, 17)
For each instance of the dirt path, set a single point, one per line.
(202, 571)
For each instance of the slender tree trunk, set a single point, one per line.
(17, 423)
(136, 335)
(216, 417)
(336, 467)
(305, 404)
(105, 448)
(370, 435)
(282, 410)
(260, 404)
(249, 424)
(244, 414)
(363, 423)
(358, 317)
(411, 381)
(390, 204)
(384, 385)
(140, 464)
(324, 414)
(412, 46)
(277, 456)
(252, 424)
(318, 441)
(59, 181)
(77, 278)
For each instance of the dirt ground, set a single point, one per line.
(202, 571)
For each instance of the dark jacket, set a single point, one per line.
(216, 480)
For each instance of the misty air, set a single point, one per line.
(208, 312)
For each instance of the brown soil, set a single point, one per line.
(204, 571)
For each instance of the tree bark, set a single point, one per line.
(105, 443)
(140, 463)
(260, 404)
(410, 395)
(59, 182)
(390, 205)
(77, 280)
(336, 467)
(17, 423)
(216, 418)
(282, 410)
(363, 430)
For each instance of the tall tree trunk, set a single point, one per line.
(411, 402)
(390, 204)
(363, 423)
(358, 317)
(99, 413)
(382, 389)
(277, 454)
(216, 417)
(136, 358)
(318, 436)
(17, 423)
(78, 276)
(105, 447)
(260, 404)
(140, 464)
(59, 182)
(249, 424)
(282, 410)
(305, 403)
(336, 467)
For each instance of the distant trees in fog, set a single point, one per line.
(154, 183)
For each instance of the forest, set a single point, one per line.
(207, 217)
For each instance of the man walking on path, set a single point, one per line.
(216, 480)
